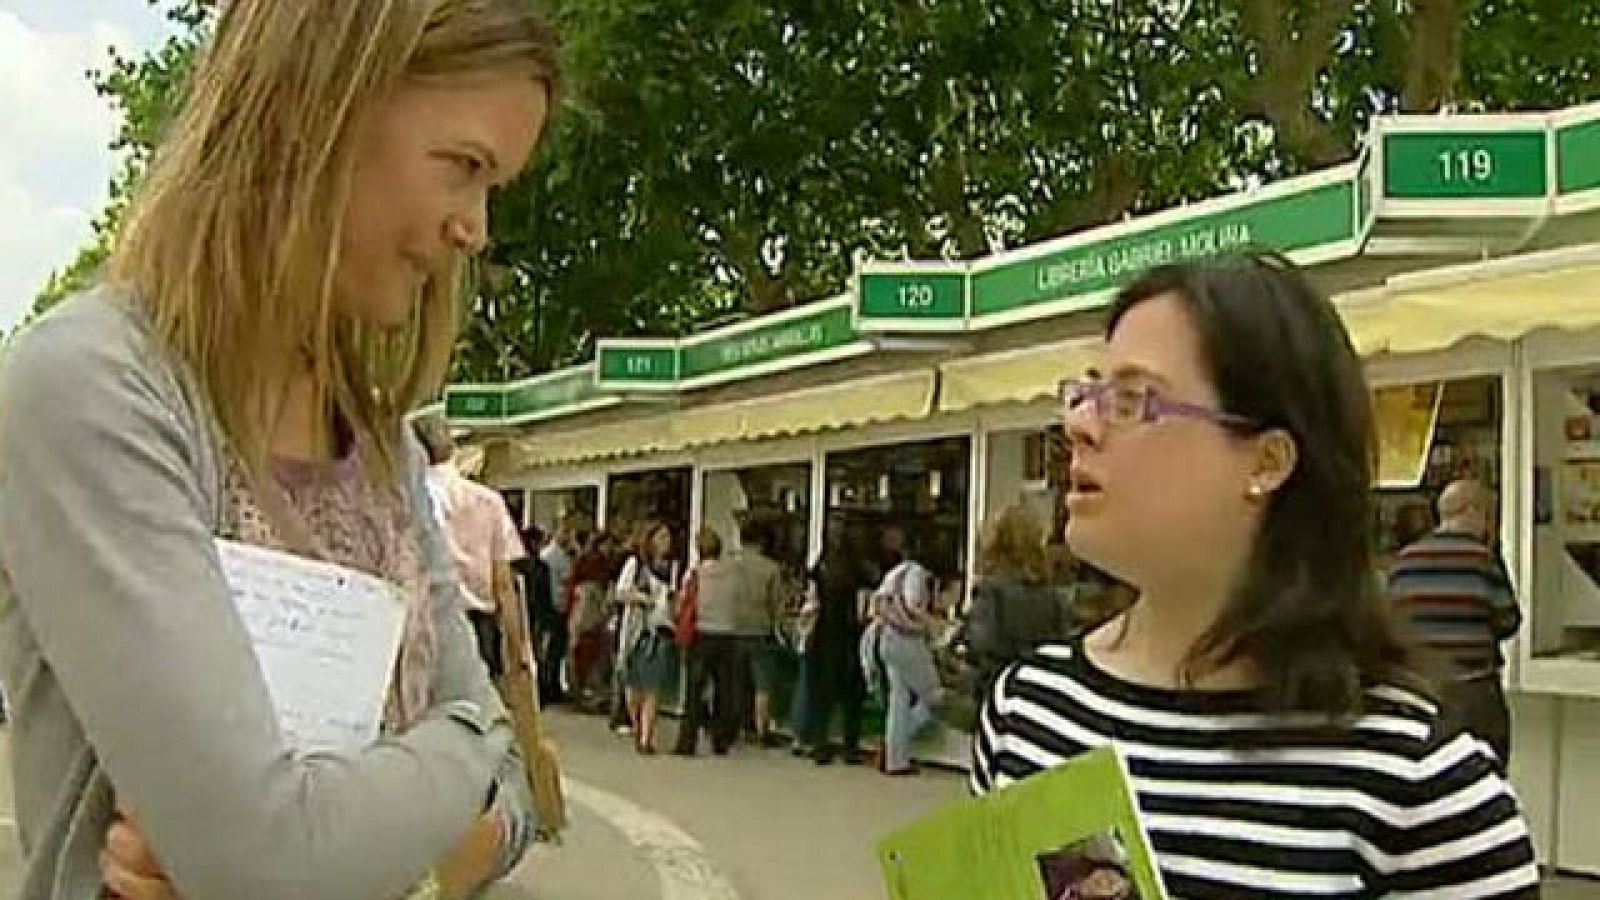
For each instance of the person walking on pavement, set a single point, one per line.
(1453, 589)
(281, 292)
(558, 556)
(835, 681)
(648, 587)
(484, 540)
(903, 620)
(538, 599)
(755, 621)
(715, 654)
(1015, 608)
(623, 625)
(587, 610)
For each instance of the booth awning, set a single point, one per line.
(630, 437)
(1501, 300)
(1434, 310)
(1015, 376)
(902, 395)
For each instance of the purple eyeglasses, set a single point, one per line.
(1125, 404)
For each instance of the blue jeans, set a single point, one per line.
(913, 688)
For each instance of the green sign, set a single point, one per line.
(715, 355)
(1312, 218)
(1456, 165)
(562, 390)
(1578, 155)
(913, 295)
(623, 362)
(488, 402)
(524, 399)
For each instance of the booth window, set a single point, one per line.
(1430, 435)
(920, 488)
(659, 495)
(548, 508)
(1565, 611)
(777, 497)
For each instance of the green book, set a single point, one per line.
(1069, 833)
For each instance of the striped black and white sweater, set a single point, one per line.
(1243, 804)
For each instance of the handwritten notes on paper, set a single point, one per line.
(326, 638)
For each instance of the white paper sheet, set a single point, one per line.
(326, 638)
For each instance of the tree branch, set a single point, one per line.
(1290, 66)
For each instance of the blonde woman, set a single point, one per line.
(1015, 607)
(282, 293)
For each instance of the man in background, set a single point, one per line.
(1454, 589)
(559, 555)
(482, 537)
(761, 602)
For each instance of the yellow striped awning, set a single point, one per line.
(863, 401)
(1419, 318)
(1015, 376)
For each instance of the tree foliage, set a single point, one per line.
(145, 92)
(721, 159)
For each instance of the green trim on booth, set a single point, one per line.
(1412, 167)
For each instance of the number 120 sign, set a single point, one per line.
(916, 297)
(922, 294)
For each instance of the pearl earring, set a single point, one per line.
(1256, 492)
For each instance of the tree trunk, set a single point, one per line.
(1115, 189)
(1291, 63)
(1433, 60)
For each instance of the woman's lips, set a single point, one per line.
(1085, 489)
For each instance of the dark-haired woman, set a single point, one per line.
(1279, 741)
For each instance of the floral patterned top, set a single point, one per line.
(352, 522)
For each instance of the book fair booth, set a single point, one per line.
(1462, 251)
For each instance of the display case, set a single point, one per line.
(1566, 485)
(1560, 472)
(1431, 434)
(547, 507)
(654, 495)
(778, 496)
(921, 488)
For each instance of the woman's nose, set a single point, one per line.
(1083, 425)
(469, 231)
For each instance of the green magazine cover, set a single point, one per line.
(1069, 833)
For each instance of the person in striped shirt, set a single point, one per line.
(1453, 588)
(1280, 740)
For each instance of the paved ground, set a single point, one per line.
(758, 825)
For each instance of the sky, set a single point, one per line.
(55, 159)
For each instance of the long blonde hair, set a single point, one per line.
(233, 241)
(1014, 547)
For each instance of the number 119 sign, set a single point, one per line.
(1449, 165)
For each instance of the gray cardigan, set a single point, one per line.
(131, 678)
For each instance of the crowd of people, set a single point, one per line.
(755, 651)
